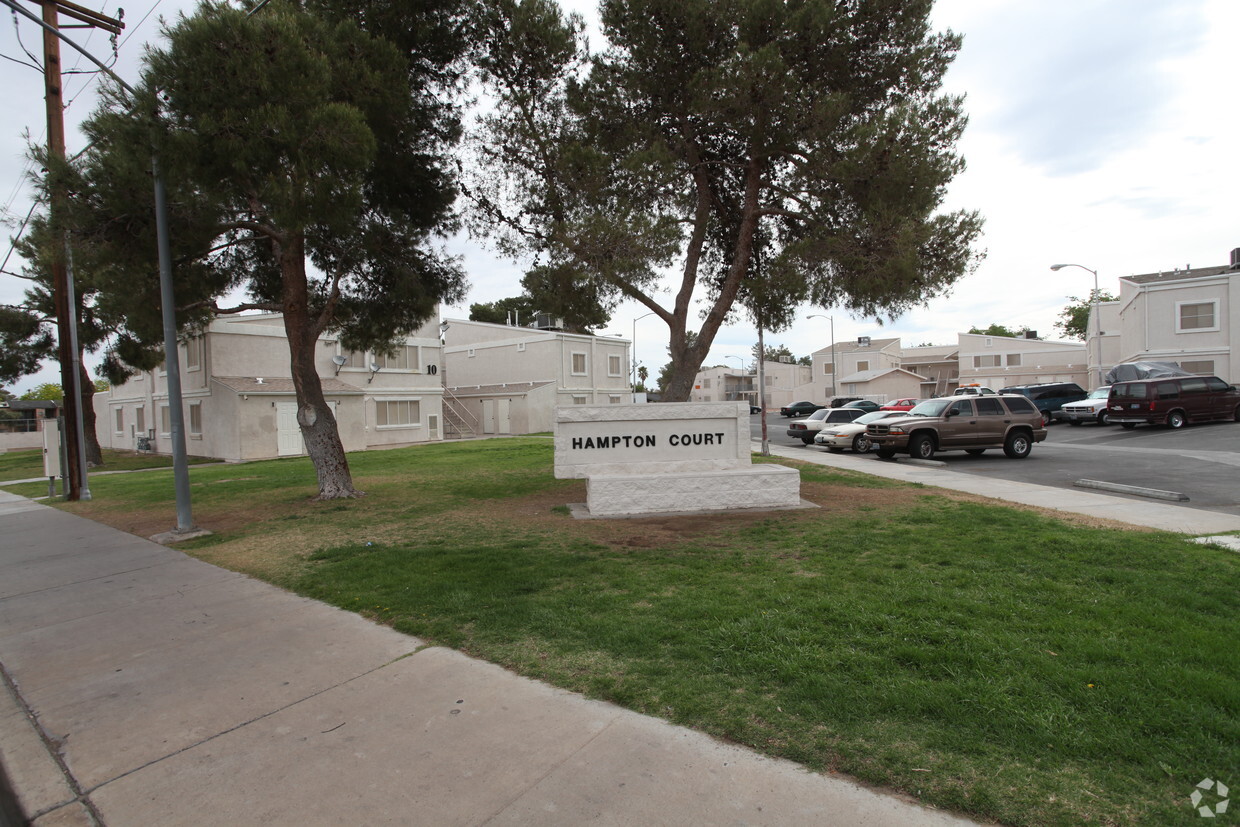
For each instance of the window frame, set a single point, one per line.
(195, 413)
(1179, 316)
(572, 363)
(383, 412)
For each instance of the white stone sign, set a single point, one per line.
(664, 438)
(667, 458)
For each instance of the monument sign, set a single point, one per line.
(666, 458)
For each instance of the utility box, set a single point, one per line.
(51, 450)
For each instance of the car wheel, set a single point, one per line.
(886, 452)
(861, 443)
(1018, 445)
(808, 440)
(1237, 414)
(1046, 419)
(921, 446)
(1175, 419)
(1128, 426)
(1104, 418)
(977, 452)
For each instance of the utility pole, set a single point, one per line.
(62, 285)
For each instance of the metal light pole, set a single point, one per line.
(633, 367)
(1097, 318)
(831, 319)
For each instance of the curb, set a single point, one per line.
(1135, 490)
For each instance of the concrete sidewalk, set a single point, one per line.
(144, 687)
(1147, 513)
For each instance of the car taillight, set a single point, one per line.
(1153, 405)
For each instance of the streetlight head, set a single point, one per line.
(1058, 266)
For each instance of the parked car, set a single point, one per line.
(972, 390)
(800, 409)
(971, 425)
(1173, 401)
(1092, 408)
(900, 405)
(838, 436)
(1049, 396)
(841, 401)
(806, 429)
(754, 409)
(864, 404)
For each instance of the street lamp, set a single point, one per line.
(633, 344)
(831, 319)
(1097, 318)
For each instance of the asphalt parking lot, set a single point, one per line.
(1199, 461)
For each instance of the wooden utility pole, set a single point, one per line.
(62, 292)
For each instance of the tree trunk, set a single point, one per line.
(314, 415)
(94, 454)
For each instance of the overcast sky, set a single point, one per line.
(1101, 133)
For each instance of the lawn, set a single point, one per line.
(986, 659)
(21, 465)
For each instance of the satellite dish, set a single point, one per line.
(339, 360)
(374, 367)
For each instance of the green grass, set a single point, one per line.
(981, 658)
(24, 464)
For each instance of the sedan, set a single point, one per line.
(843, 435)
(900, 405)
(801, 409)
(864, 404)
(808, 427)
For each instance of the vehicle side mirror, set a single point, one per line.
(951, 412)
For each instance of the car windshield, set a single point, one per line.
(931, 407)
(875, 416)
(1100, 393)
(822, 414)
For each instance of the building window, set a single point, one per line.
(706, 398)
(770, 380)
(1204, 367)
(520, 347)
(193, 354)
(353, 359)
(1195, 316)
(1013, 360)
(140, 420)
(863, 364)
(579, 364)
(120, 420)
(579, 400)
(613, 364)
(828, 368)
(472, 353)
(195, 419)
(986, 361)
(613, 399)
(398, 413)
(405, 358)
(165, 419)
(706, 384)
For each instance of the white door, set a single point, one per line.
(503, 422)
(432, 427)
(288, 432)
(488, 416)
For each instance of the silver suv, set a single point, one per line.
(971, 424)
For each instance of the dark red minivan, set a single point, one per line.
(1173, 401)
